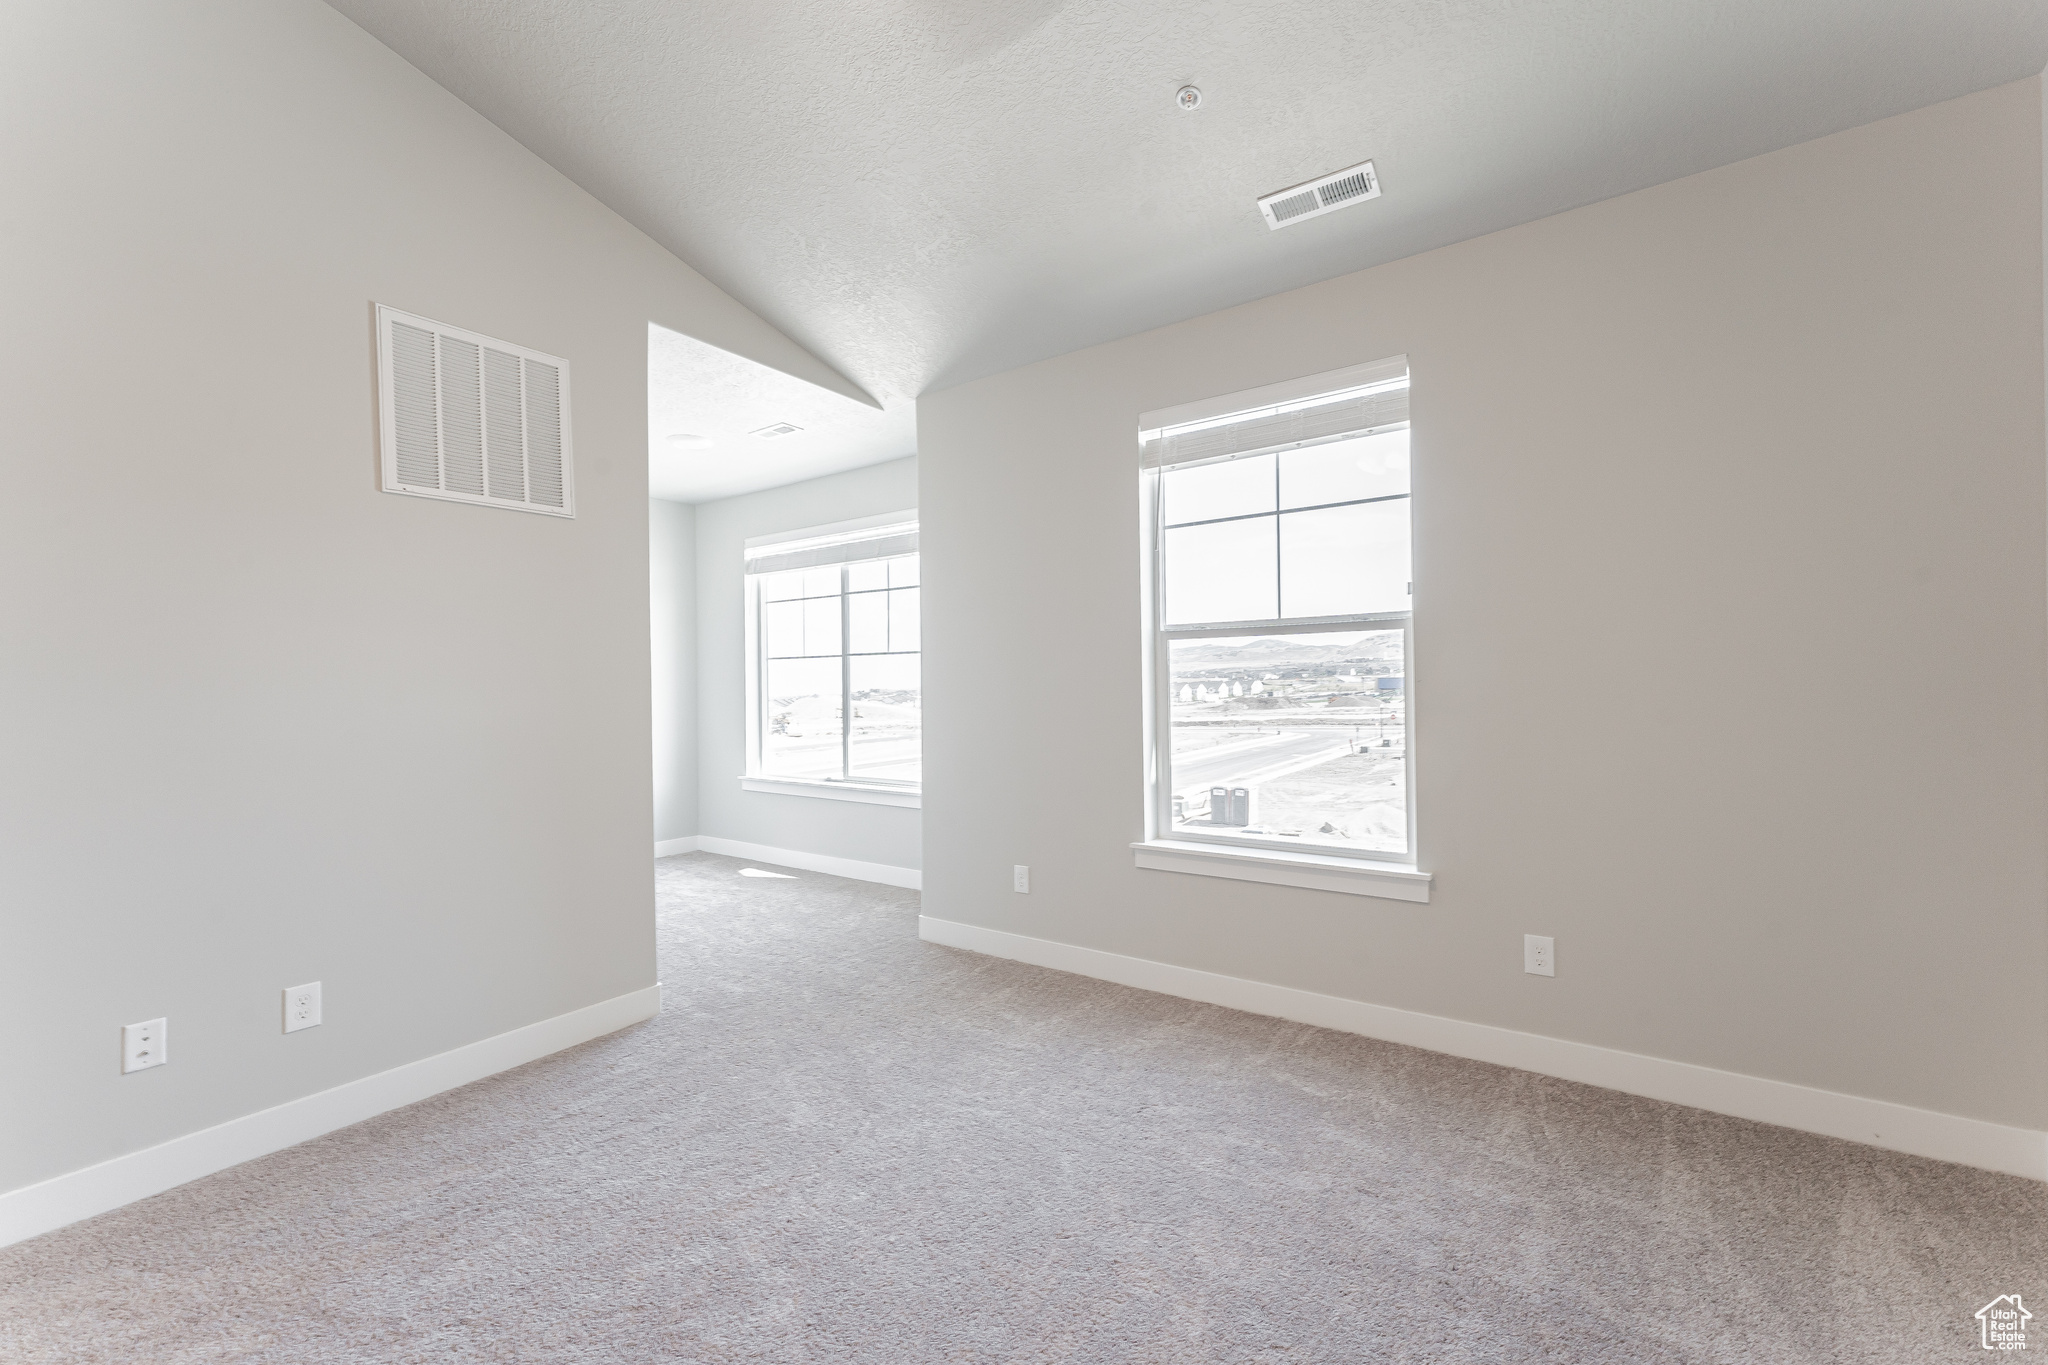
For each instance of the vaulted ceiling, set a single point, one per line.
(925, 191)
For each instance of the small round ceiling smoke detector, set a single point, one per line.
(1189, 99)
(687, 438)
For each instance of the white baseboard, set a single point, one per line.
(40, 1208)
(1880, 1123)
(908, 877)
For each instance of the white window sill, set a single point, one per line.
(1317, 871)
(836, 791)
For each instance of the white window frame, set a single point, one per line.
(874, 792)
(1290, 863)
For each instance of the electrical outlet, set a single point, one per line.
(143, 1045)
(301, 1007)
(1539, 955)
(1020, 879)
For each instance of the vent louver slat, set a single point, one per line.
(1295, 207)
(1350, 187)
(462, 436)
(417, 447)
(503, 430)
(543, 434)
(471, 419)
(1324, 194)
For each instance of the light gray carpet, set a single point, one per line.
(841, 1144)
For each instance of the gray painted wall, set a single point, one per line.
(672, 584)
(840, 829)
(263, 723)
(1729, 641)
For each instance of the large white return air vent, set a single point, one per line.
(471, 419)
(1325, 194)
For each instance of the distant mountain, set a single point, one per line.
(1265, 651)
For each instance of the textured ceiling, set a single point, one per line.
(705, 405)
(924, 191)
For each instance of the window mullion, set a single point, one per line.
(757, 743)
(1162, 671)
(1286, 511)
(1286, 625)
(1279, 588)
(845, 675)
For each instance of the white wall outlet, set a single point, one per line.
(301, 1007)
(1020, 878)
(143, 1045)
(1539, 955)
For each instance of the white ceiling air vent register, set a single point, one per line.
(779, 429)
(471, 419)
(1325, 194)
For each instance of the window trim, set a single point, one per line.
(1293, 867)
(876, 792)
(832, 790)
(1167, 848)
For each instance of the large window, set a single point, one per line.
(1281, 584)
(833, 675)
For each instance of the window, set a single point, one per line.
(1280, 589)
(834, 698)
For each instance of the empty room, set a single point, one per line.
(1066, 681)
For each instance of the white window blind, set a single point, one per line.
(472, 419)
(874, 538)
(1325, 407)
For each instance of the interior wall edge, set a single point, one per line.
(672, 588)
